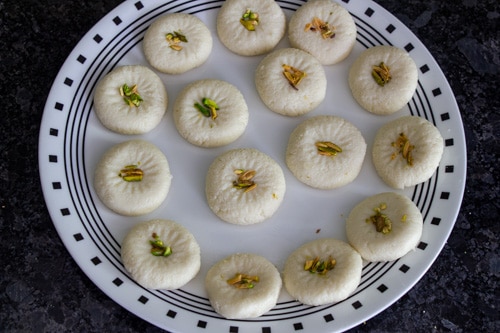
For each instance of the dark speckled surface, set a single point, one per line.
(43, 290)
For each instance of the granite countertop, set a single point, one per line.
(43, 290)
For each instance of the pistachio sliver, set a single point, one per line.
(203, 110)
(130, 95)
(381, 221)
(381, 74)
(324, 28)
(403, 147)
(174, 39)
(320, 266)
(293, 75)
(207, 107)
(244, 180)
(249, 20)
(158, 248)
(243, 281)
(131, 173)
(327, 148)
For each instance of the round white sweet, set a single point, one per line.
(328, 50)
(237, 205)
(203, 131)
(325, 171)
(117, 114)
(132, 198)
(241, 303)
(157, 271)
(320, 289)
(267, 34)
(275, 89)
(426, 151)
(194, 52)
(393, 95)
(406, 227)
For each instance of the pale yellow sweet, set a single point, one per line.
(231, 116)
(121, 117)
(323, 171)
(132, 198)
(195, 51)
(332, 49)
(395, 94)
(320, 289)
(267, 34)
(425, 148)
(406, 227)
(161, 272)
(237, 205)
(242, 303)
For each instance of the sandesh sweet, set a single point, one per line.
(243, 285)
(250, 27)
(383, 79)
(407, 151)
(176, 43)
(384, 227)
(132, 178)
(290, 82)
(130, 99)
(210, 113)
(161, 254)
(244, 186)
(324, 29)
(322, 271)
(325, 152)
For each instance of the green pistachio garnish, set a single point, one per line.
(320, 266)
(208, 108)
(159, 249)
(243, 281)
(403, 147)
(244, 180)
(327, 148)
(381, 221)
(249, 20)
(130, 95)
(293, 75)
(131, 173)
(174, 39)
(326, 30)
(381, 74)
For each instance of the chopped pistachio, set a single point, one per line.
(293, 75)
(208, 107)
(131, 173)
(320, 266)
(247, 175)
(327, 148)
(243, 281)
(174, 39)
(324, 28)
(381, 221)
(249, 20)
(244, 180)
(403, 147)
(130, 95)
(381, 74)
(159, 249)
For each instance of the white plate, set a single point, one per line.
(72, 140)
